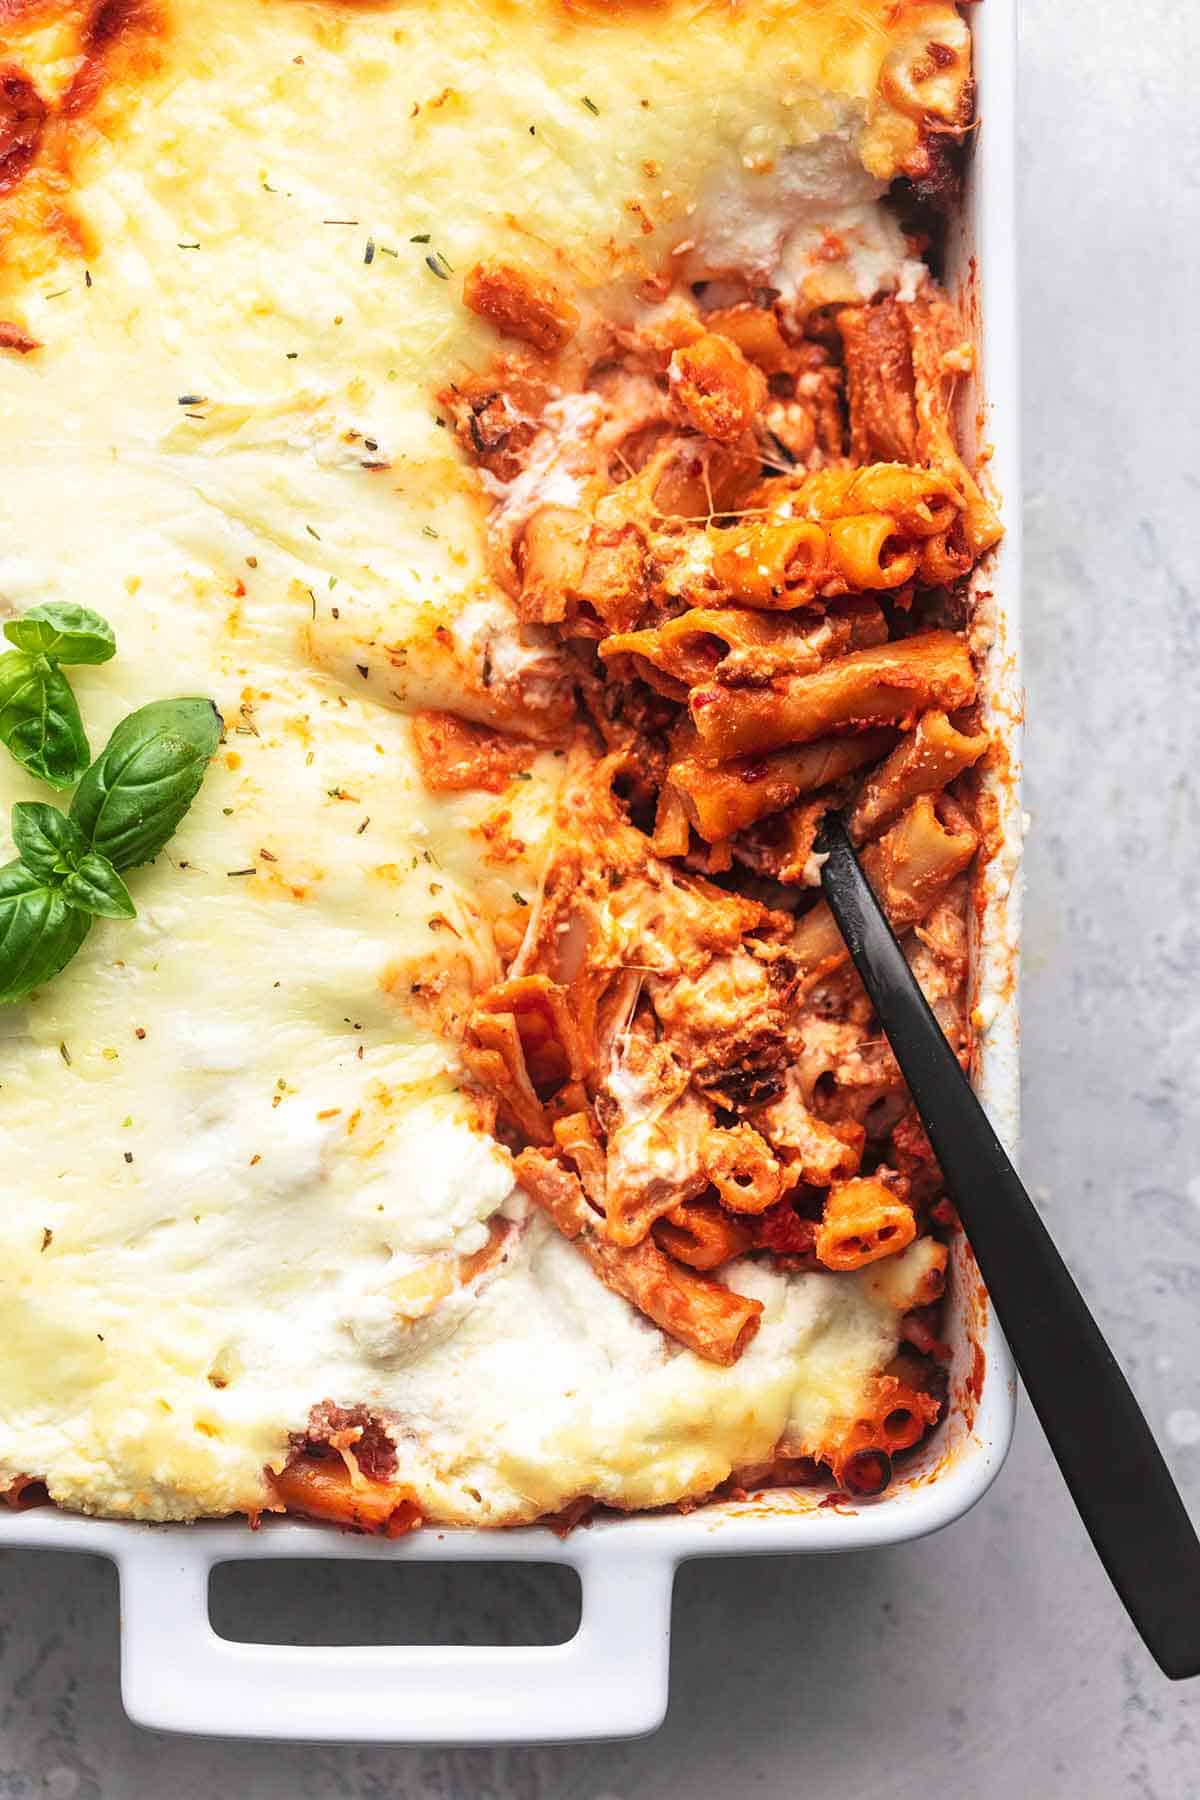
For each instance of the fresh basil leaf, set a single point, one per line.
(49, 842)
(39, 719)
(95, 887)
(39, 931)
(69, 633)
(140, 786)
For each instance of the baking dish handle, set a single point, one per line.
(609, 1680)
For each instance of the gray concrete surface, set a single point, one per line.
(993, 1660)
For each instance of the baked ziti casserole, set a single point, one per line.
(482, 480)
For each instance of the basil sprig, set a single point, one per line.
(55, 850)
(39, 715)
(126, 808)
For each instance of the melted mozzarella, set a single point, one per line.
(231, 1126)
(806, 221)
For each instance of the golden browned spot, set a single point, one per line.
(114, 46)
(12, 337)
(22, 116)
(115, 38)
(612, 11)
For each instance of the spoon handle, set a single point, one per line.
(1114, 1469)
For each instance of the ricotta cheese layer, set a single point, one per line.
(231, 1129)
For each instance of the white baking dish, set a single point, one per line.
(610, 1680)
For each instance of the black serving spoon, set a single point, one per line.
(1096, 1430)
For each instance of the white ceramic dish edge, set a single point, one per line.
(611, 1678)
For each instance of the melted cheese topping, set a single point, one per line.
(230, 1128)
